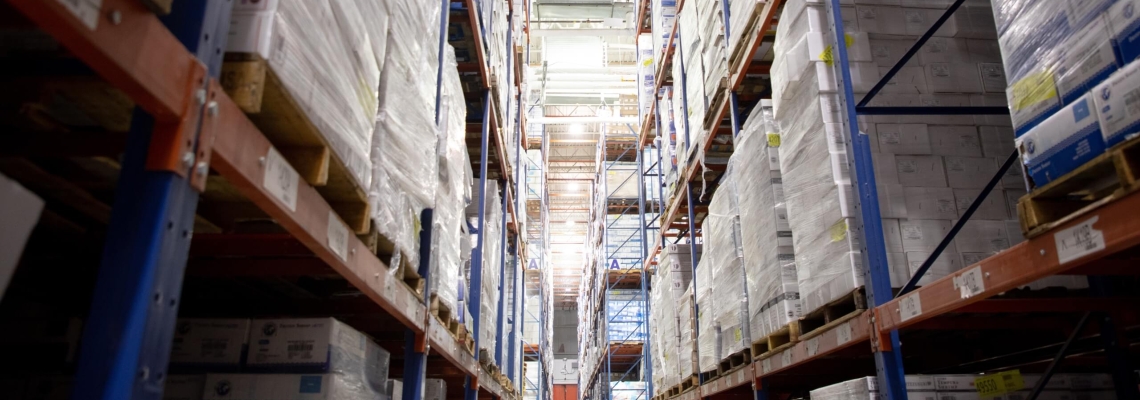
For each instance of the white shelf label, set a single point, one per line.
(766, 365)
(970, 283)
(86, 10)
(280, 179)
(910, 307)
(338, 236)
(1079, 241)
(843, 333)
(813, 346)
(786, 358)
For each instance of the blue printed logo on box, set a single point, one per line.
(269, 329)
(1081, 110)
(310, 384)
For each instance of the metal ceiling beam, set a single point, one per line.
(583, 120)
(580, 32)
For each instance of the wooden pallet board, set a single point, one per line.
(710, 375)
(713, 117)
(853, 303)
(734, 361)
(743, 47)
(259, 91)
(782, 338)
(1107, 177)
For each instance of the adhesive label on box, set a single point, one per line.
(911, 232)
(971, 283)
(766, 365)
(839, 230)
(1079, 241)
(785, 358)
(86, 10)
(813, 346)
(910, 307)
(280, 179)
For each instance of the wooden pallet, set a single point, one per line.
(1101, 180)
(853, 303)
(708, 376)
(689, 383)
(713, 117)
(734, 362)
(782, 338)
(443, 312)
(259, 91)
(466, 339)
(747, 41)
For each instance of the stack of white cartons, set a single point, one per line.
(454, 189)
(691, 62)
(492, 242)
(340, 362)
(766, 237)
(710, 15)
(214, 345)
(918, 387)
(724, 261)
(928, 169)
(404, 143)
(707, 336)
(1072, 69)
(325, 56)
(646, 68)
(686, 347)
(1059, 387)
(664, 14)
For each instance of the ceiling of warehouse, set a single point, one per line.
(582, 61)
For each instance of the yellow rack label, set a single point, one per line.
(999, 383)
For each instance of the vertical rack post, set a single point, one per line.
(888, 359)
(471, 389)
(138, 287)
(499, 320)
(646, 353)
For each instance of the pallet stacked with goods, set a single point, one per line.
(537, 302)
(971, 204)
(226, 164)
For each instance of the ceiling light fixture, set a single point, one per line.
(576, 129)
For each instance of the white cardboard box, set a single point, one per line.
(1116, 102)
(924, 235)
(921, 171)
(969, 172)
(435, 389)
(184, 387)
(1063, 142)
(904, 139)
(953, 78)
(283, 387)
(997, 141)
(947, 263)
(209, 342)
(980, 236)
(930, 203)
(993, 207)
(956, 140)
(19, 215)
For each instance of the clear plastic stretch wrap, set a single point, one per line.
(625, 315)
(321, 53)
(405, 142)
(686, 345)
(285, 387)
(725, 259)
(453, 192)
(708, 336)
(492, 254)
(769, 259)
(739, 12)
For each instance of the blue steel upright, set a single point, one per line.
(138, 287)
(471, 392)
(888, 362)
(646, 353)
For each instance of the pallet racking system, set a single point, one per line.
(628, 359)
(955, 323)
(185, 126)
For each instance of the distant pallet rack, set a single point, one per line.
(952, 318)
(148, 59)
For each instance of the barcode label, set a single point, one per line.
(843, 333)
(300, 347)
(280, 179)
(910, 307)
(87, 11)
(337, 236)
(813, 346)
(970, 283)
(1079, 241)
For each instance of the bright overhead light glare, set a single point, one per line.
(576, 129)
(573, 187)
(569, 222)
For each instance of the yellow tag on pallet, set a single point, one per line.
(773, 139)
(1032, 89)
(999, 383)
(828, 56)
